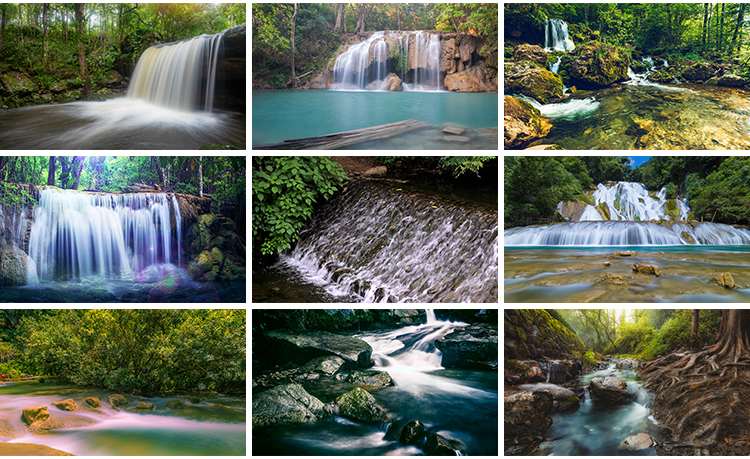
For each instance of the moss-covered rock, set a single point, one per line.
(360, 405)
(287, 404)
(596, 64)
(534, 333)
(12, 267)
(35, 414)
(523, 124)
(370, 378)
(66, 405)
(531, 80)
(532, 53)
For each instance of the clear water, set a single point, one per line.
(205, 426)
(457, 404)
(293, 114)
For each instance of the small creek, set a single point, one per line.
(202, 427)
(597, 429)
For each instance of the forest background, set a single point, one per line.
(61, 52)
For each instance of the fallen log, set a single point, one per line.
(344, 139)
(299, 77)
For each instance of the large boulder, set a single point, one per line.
(214, 265)
(473, 347)
(409, 316)
(17, 84)
(522, 123)
(527, 415)
(533, 53)
(731, 80)
(323, 80)
(473, 79)
(360, 405)
(698, 72)
(412, 433)
(302, 346)
(66, 405)
(117, 400)
(530, 80)
(392, 82)
(448, 54)
(610, 389)
(12, 267)
(211, 231)
(563, 399)
(35, 414)
(637, 442)
(93, 402)
(596, 64)
(326, 365)
(287, 404)
(437, 445)
(370, 378)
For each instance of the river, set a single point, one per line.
(460, 405)
(204, 426)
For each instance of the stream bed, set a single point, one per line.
(203, 426)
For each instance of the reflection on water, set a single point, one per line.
(203, 426)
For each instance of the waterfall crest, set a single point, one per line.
(77, 234)
(556, 36)
(174, 75)
(389, 245)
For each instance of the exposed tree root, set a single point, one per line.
(704, 398)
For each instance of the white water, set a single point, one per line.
(171, 75)
(556, 36)
(77, 234)
(631, 201)
(641, 79)
(568, 110)
(590, 214)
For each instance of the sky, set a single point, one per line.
(636, 161)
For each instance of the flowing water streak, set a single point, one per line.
(389, 245)
(171, 75)
(77, 234)
(631, 201)
(349, 70)
(556, 36)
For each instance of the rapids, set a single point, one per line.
(204, 426)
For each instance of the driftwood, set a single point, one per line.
(344, 139)
(299, 77)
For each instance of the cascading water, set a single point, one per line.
(386, 245)
(631, 201)
(556, 36)
(171, 75)
(77, 234)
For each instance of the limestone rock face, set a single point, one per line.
(610, 389)
(67, 405)
(301, 346)
(448, 56)
(35, 414)
(287, 404)
(533, 53)
(522, 123)
(323, 80)
(370, 378)
(12, 267)
(536, 82)
(473, 79)
(596, 65)
(360, 405)
(392, 82)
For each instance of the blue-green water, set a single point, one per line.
(292, 114)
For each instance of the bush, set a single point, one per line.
(671, 190)
(675, 333)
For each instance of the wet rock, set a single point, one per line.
(12, 267)
(731, 80)
(174, 404)
(287, 404)
(596, 64)
(557, 373)
(536, 82)
(453, 130)
(409, 316)
(698, 72)
(713, 81)
(66, 405)
(646, 267)
(544, 147)
(523, 124)
(610, 389)
(563, 399)
(724, 280)
(378, 171)
(302, 346)
(412, 433)
(117, 400)
(628, 364)
(392, 82)
(358, 404)
(35, 414)
(624, 253)
(473, 79)
(614, 279)
(370, 378)
(533, 53)
(324, 365)
(30, 449)
(640, 128)
(473, 347)
(527, 415)
(637, 442)
(144, 406)
(437, 445)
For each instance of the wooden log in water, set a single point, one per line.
(343, 139)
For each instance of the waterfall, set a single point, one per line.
(626, 233)
(351, 68)
(631, 201)
(426, 62)
(556, 36)
(387, 245)
(172, 75)
(590, 214)
(77, 234)
(430, 313)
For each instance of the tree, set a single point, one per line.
(81, 52)
(51, 174)
(365, 10)
(694, 328)
(340, 25)
(45, 26)
(71, 171)
(294, 17)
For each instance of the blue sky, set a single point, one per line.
(636, 161)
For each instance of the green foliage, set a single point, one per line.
(479, 18)
(589, 358)
(675, 333)
(725, 194)
(150, 351)
(671, 190)
(462, 164)
(285, 190)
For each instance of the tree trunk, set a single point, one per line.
(76, 168)
(694, 328)
(294, 17)
(734, 334)
(705, 24)
(200, 175)
(338, 27)
(738, 25)
(51, 174)
(81, 53)
(45, 45)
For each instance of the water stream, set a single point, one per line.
(204, 426)
(460, 405)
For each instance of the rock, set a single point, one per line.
(378, 171)
(615, 279)
(610, 389)
(637, 442)
(596, 64)
(436, 445)
(543, 147)
(532, 53)
(558, 373)
(724, 280)
(323, 365)
(563, 399)
(213, 265)
(625, 253)
(12, 267)
(392, 82)
(472, 347)
(447, 56)
(144, 406)
(302, 346)
(412, 433)
(358, 404)
(30, 449)
(640, 128)
(731, 80)
(453, 130)
(646, 267)
(628, 363)
(523, 123)
(370, 378)
(211, 231)
(409, 316)
(323, 80)
(117, 400)
(35, 414)
(473, 79)
(174, 404)
(66, 405)
(17, 84)
(528, 79)
(535, 372)
(713, 81)
(457, 138)
(698, 72)
(527, 414)
(235, 41)
(286, 404)
(93, 402)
